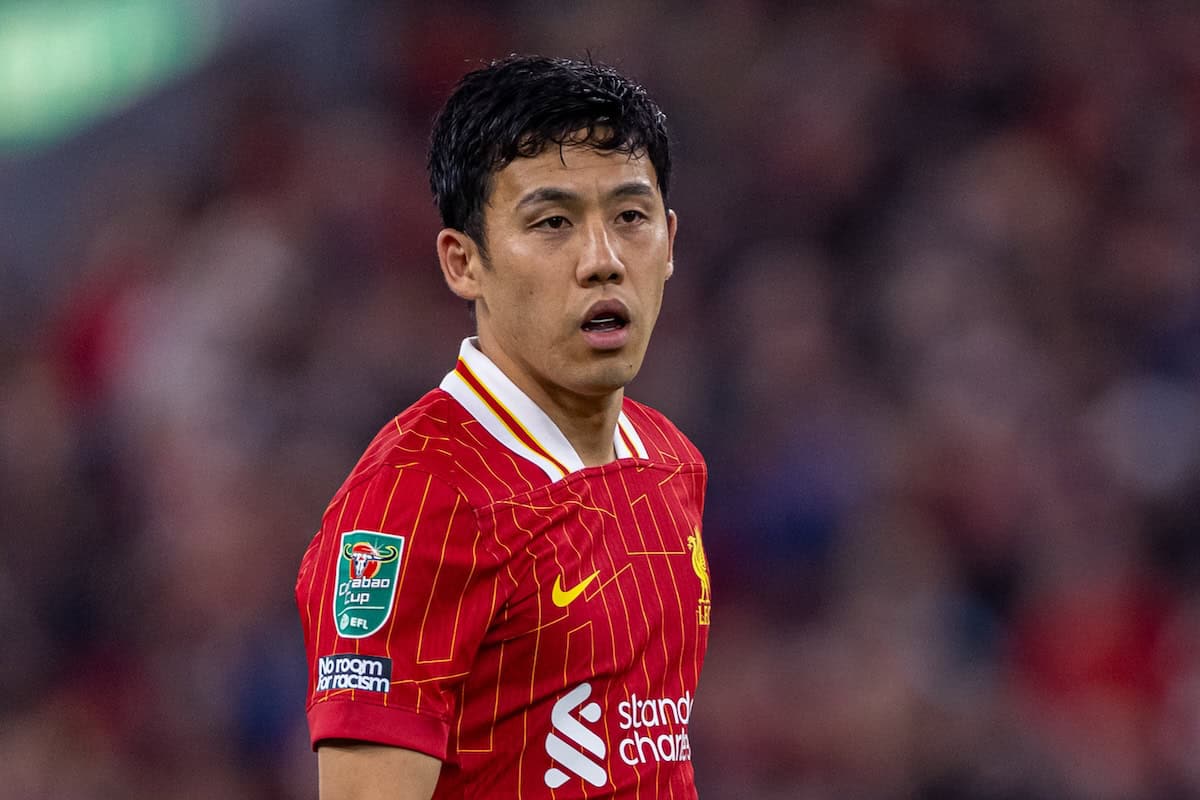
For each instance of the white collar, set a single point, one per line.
(517, 422)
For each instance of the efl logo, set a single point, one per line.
(575, 732)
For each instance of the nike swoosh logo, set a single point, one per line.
(563, 598)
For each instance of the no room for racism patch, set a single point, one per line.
(351, 671)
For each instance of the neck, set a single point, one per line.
(588, 423)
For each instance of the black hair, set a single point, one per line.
(515, 108)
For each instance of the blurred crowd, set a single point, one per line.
(935, 323)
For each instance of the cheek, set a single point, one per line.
(654, 289)
(525, 307)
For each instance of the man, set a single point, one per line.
(508, 596)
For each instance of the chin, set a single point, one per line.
(609, 378)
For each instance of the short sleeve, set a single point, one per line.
(395, 594)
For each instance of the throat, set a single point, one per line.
(590, 429)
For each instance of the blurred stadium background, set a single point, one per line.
(935, 323)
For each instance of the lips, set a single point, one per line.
(604, 316)
(605, 326)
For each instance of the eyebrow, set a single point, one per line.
(633, 189)
(547, 194)
(552, 194)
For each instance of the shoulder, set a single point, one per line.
(662, 439)
(438, 438)
(415, 440)
(412, 435)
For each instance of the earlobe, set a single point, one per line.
(459, 257)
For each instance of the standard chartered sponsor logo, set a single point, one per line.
(574, 731)
(656, 730)
(366, 673)
(646, 720)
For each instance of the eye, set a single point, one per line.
(631, 216)
(554, 223)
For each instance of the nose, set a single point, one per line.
(599, 262)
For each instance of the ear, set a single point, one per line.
(460, 261)
(672, 224)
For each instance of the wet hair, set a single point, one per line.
(516, 108)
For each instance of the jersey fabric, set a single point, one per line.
(477, 594)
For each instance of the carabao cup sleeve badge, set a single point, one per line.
(367, 573)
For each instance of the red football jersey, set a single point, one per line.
(477, 594)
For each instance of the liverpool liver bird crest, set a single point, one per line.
(700, 565)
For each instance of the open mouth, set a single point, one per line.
(605, 326)
(602, 323)
(605, 316)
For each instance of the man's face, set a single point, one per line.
(579, 247)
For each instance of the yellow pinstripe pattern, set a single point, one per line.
(605, 541)
(382, 523)
(433, 590)
(670, 571)
(404, 565)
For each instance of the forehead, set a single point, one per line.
(576, 168)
